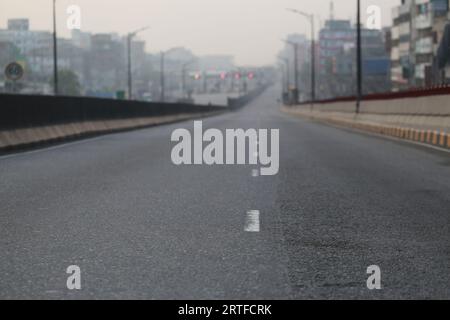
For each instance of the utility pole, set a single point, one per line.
(296, 73)
(55, 53)
(130, 82)
(162, 77)
(313, 61)
(130, 37)
(183, 77)
(296, 90)
(358, 57)
(310, 17)
(183, 81)
(283, 77)
(288, 76)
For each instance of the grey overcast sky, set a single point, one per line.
(248, 29)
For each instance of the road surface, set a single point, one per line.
(140, 227)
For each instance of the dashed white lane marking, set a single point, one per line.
(252, 223)
(255, 173)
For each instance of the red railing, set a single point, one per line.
(411, 93)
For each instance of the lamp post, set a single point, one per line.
(163, 93)
(162, 71)
(287, 79)
(310, 17)
(55, 53)
(130, 37)
(183, 77)
(358, 57)
(296, 90)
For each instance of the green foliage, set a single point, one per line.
(68, 83)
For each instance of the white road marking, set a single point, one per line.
(50, 147)
(255, 173)
(252, 223)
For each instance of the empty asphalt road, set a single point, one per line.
(140, 227)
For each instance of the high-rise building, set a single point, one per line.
(106, 73)
(34, 48)
(337, 60)
(417, 30)
(333, 38)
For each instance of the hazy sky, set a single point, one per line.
(248, 29)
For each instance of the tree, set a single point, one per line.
(69, 84)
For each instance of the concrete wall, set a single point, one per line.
(35, 120)
(425, 106)
(425, 114)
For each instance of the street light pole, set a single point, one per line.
(358, 57)
(283, 77)
(130, 84)
(313, 61)
(296, 90)
(163, 94)
(296, 72)
(286, 61)
(310, 17)
(183, 81)
(183, 77)
(55, 53)
(130, 37)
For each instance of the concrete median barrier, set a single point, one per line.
(422, 115)
(27, 121)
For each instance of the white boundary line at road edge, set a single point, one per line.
(368, 133)
(385, 136)
(49, 148)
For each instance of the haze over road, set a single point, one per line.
(140, 227)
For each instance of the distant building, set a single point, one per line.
(180, 54)
(417, 29)
(81, 39)
(333, 38)
(100, 63)
(337, 60)
(303, 60)
(106, 72)
(34, 48)
(216, 62)
(18, 33)
(18, 24)
(8, 53)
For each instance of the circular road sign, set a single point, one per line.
(14, 71)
